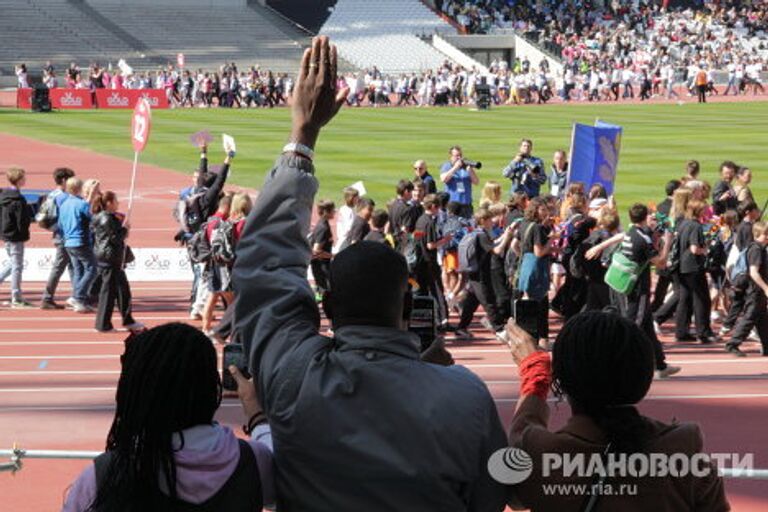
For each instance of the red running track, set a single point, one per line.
(57, 382)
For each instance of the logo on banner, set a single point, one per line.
(156, 263)
(184, 263)
(45, 262)
(117, 100)
(153, 101)
(70, 100)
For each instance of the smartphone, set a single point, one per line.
(233, 355)
(526, 313)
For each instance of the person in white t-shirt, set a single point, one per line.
(594, 85)
(22, 77)
(668, 75)
(616, 83)
(344, 218)
(752, 75)
(731, 80)
(627, 77)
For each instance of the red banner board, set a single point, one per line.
(127, 98)
(71, 98)
(104, 98)
(24, 98)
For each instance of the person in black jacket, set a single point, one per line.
(109, 247)
(15, 217)
(202, 202)
(723, 196)
(693, 279)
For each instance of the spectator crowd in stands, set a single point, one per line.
(610, 50)
(604, 45)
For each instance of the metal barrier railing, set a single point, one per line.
(16, 455)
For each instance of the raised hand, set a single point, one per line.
(316, 99)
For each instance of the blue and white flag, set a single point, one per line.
(595, 155)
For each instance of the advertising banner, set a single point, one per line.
(71, 98)
(127, 98)
(166, 264)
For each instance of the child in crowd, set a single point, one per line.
(345, 218)
(15, 219)
(112, 254)
(379, 221)
(756, 306)
(322, 244)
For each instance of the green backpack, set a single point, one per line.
(623, 273)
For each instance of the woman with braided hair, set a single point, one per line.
(164, 450)
(603, 365)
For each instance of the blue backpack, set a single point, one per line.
(741, 267)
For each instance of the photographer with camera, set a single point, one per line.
(458, 174)
(526, 171)
(340, 408)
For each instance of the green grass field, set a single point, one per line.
(379, 145)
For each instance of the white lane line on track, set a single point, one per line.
(56, 390)
(470, 366)
(752, 359)
(65, 357)
(59, 372)
(30, 331)
(32, 343)
(228, 404)
(87, 318)
(136, 288)
(488, 382)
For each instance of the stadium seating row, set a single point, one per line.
(62, 31)
(386, 34)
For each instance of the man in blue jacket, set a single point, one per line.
(458, 178)
(74, 226)
(359, 421)
(526, 171)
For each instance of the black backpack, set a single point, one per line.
(716, 257)
(673, 259)
(198, 247)
(189, 212)
(222, 243)
(47, 215)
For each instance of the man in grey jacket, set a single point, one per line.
(359, 421)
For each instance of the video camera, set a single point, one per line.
(472, 163)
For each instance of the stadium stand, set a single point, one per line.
(386, 34)
(76, 30)
(243, 34)
(310, 14)
(35, 31)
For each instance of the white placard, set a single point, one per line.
(360, 187)
(228, 142)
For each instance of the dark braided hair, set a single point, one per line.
(604, 364)
(169, 382)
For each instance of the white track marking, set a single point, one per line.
(228, 404)
(87, 318)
